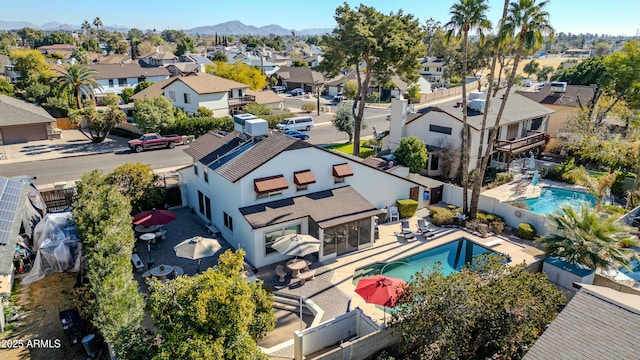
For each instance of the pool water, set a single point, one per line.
(452, 256)
(635, 270)
(552, 198)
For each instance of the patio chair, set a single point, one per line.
(160, 234)
(393, 213)
(282, 275)
(424, 229)
(406, 230)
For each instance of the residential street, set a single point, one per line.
(51, 171)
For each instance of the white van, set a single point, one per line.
(296, 123)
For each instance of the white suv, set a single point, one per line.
(338, 97)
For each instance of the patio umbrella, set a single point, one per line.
(380, 290)
(532, 162)
(296, 245)
(197, 248)
(154, 217)
(536, 178)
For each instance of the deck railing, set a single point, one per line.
(241, 100)
(521, 144)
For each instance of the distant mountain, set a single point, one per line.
(238, 28)
(227, 28)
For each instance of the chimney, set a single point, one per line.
(398, 120)
(201, 68)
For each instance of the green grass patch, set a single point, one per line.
(347, 148)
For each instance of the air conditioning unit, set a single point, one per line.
(477, 104)
(476, 95)
(256, 127)
(558, 87)
(239, 121)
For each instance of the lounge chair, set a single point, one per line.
(282, 275)
(423, 228)
(406, 230)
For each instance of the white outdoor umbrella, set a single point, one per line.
(197, 248)
(532, 162)
(296, 245)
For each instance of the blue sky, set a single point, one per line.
(613, 17)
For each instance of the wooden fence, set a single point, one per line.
(59, 199)
(65, 124)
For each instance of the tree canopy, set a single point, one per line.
(100, 122)
(153, 113)
(372, 43)
(486, 311)
(239, 72)
(215, 315)
(412, 152)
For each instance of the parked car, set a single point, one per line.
(338, 97)
(296, 123)
(297, 92)
(154, 140)
(296, 134)
(279, 89)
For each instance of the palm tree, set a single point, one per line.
(465, 16)
(589, 238)
(596, 187)
(86, 27)
(79, 78)
(527, 23)
(97, 22)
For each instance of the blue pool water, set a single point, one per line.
(452, 256)
(552, 198)
(635, 270)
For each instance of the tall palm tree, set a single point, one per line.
(97, 22)
(86, 27)
(589, 238)
(79, 78)
(527, 23)
(595, 186)
(466, 16)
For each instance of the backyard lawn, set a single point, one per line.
(347, 148)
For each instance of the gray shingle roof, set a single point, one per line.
(327, 208)
(18, 112)
(131, 70)
(259, 154)
(570, 97)
(300, 75)
(518, 108)
(13, 197)
(592, 326)
(210, 146)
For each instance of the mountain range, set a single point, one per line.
(234, 27)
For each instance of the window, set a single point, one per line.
(172, 95)
(438, 69)
(338, 180)
(440, 129)
(141, 79)
(201, 202)
(535, 123)
(205, 172)
(207, 205)
(187, 98)
(434, 162)
(230, 94)
(341, 171)
(269, 186)
(301, 187)
(228, 221)
(302, 179)
(195, 168)
(122, 82)
(110, 83)
(267, 194)
(271, 236)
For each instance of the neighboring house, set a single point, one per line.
(564, 100)
(63, 49)
(424, 84)
(21, 122)
(182, 68)
(336, 85)
(5, 65)
(257, 190)
(523, 126)
(597, 324)
(579, 53)
(433, 69)
(198, 59)
(19, 216)
(267, 67)
(267, 97)
(113, 59)
(158, 59)
(299, 77)
(113, 78)
(312, 60)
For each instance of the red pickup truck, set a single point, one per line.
(153, 140)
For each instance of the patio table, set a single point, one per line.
(147, 229)
(148, 238)
(161, 271)
(296, 266)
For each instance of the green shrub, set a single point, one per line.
(407, 207)
(555, 173)
(496, 227)
(503, 178)
(124, 133)
(526, 231)
(486, 218)
(614, 210)
(199, 126)
(441, 216)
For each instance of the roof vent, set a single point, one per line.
(477, 104)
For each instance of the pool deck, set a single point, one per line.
(521, 188)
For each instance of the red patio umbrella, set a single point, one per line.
(154, 217)
(380, 290)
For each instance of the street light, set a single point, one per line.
(318, 89)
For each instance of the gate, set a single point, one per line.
(435, 194)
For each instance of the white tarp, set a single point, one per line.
(56, 246)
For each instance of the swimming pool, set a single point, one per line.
(552, 198)
(452, 257)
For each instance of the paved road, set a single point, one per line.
(66, 169)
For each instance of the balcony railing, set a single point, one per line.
(522, 144)
(241, 100)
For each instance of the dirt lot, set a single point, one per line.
(555, 62)
(40, 304)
